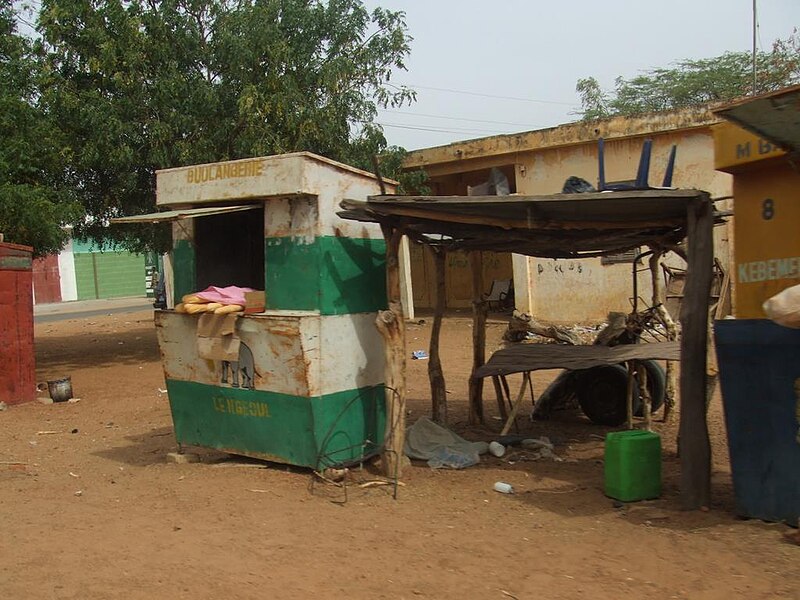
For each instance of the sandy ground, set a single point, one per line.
(91, 509)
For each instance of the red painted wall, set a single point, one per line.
(47, 279)
(17, 366)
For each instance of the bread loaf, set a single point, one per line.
(193, 299)
(194, 308)
(229, 308)
(180, 308)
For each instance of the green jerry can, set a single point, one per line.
(633, 465)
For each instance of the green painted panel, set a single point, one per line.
(120, 274)
(353, 275)
(84, 276)
(109, 275)
(309, 432)
(291, 274)
(334, 275)
(16, 263)
(349, 424)
(81, 246)
(183, 267)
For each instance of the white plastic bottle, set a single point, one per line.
(503, 487)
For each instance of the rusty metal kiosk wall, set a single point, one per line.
(17, 365)
(312, 386)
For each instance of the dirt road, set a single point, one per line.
(92, 510)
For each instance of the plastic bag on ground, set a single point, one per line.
(426, 440)
(542, 448)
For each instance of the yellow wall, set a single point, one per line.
(766, 191)
(767, 204)
(737, 149)
(578, 290)
(458, 276)
(586, 290)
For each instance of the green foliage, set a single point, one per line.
(411, 182)
(140, 85)
(694, 82)
(33, 203)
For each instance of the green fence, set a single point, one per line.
(109, 274)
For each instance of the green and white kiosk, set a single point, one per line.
(312, 363)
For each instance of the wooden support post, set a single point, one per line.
(501, 399)
(644, 394)
(526, 377)
(506, 390)
(659, 297)
(631, 390)
(435, 374)
(478, 339)
(391, 325)
(695, 448)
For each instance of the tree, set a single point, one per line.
(140, 85)
(33, 206)
(694, 82)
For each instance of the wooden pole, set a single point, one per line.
(501, 399)
(659, 297)
(435, 374)
(631, 390)
(526, 377)
(391, 325)
(478, 339)
(644, 394)
(506, 391)
(695, 448)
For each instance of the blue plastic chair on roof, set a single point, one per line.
(642, 174)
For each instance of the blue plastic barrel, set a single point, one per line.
(759, 362)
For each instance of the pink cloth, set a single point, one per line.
(225, 295)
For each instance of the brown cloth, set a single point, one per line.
(531, 357)
(217, 338)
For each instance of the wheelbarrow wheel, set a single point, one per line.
(602, 395)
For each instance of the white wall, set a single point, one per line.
(66, 268)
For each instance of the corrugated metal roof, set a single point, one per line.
(774, 117)
(555, 226)
(185, 213)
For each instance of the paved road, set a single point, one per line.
(61, 311)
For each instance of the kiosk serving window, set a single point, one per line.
(229, 250)
(216, 245)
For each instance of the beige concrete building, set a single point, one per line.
(539, 162)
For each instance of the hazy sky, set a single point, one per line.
(514, 63)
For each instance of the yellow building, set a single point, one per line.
(539, 162)
(759, 360)
(766, 190)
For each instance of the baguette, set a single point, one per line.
(212, 306)
(229, 308)
(193, 299)
(180, 308)
(193, 309)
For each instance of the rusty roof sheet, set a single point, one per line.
(184, 213)
(555, 226)
(774, 117)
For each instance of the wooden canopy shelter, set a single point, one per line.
(555, 226)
